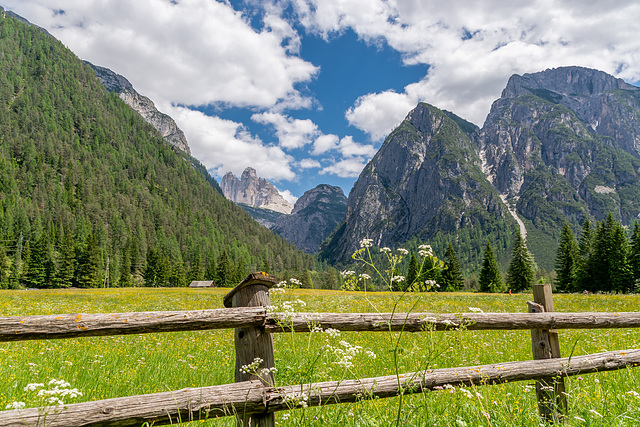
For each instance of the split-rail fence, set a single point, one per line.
(253, 400)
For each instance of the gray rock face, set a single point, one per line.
(254, 191)
(163, 123)
(425, 179)
(559, 145)
(315, 215)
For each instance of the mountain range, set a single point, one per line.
(558, 145)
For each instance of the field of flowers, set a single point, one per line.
(105, 367)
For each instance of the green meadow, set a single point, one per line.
(107, 367)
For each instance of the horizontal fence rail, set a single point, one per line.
(253, 397)
(20, 328)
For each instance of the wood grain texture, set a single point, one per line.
(253, 397)
(60, 326)
(86, 324)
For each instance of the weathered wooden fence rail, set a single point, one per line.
(89, 325)
(253, 402)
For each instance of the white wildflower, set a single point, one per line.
(296, 398)
(366, 243)
(403, 251)
(425, 251)
(33, 386)
(633, 393)
(397, 279)
(385, 250)
(251, 368)
(365, 276)
(333, 333)
(476, 310)
(347, 273)
(16, 405)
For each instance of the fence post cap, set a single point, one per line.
(259, 278)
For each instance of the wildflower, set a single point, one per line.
(252, 367)
(425, 251)
(347, 273)
(476, 310)
(33, 387)
(386, 250)
(431, 283)
(366, 243)
(403, 251)
(296, 398)
(633, 393)
(16, 405)
(365, 276)
(397, 279)
(333, 333)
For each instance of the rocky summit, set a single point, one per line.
(315, 215)
(559, 145)
(163, 123)
(253, 191)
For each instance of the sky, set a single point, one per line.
(305, 91)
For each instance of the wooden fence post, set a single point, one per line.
(551, 392)
(253, 345)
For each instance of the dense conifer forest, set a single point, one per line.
(90, 195)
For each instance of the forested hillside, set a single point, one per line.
(90, 195)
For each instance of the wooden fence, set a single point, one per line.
(253, 401)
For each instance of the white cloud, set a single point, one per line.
(473, 47)
(225, 146)
(291, 133)
(309, 164)
(324, 143)
(288, 196)
(191, 52)
(345, 168)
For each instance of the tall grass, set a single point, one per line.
(106, 367)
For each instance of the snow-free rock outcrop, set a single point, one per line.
(253, 191)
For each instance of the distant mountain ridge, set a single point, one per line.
(315, 215)
(163, 123)
(559, 145)
(254, 191)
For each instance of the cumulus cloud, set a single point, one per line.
(473, 47)
(288, 196)
(345, 168)
(191, 52)
(225, 146)
(291, 133)
(309, 164)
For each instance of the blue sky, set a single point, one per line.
(305, 91)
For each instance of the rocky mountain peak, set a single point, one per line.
(315, 215)
(253, 191)
(563, 81)
(163, 123)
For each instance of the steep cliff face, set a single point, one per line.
(163, 123)
(315, 215)
(559, 145)
(254, 191)
(425, 181)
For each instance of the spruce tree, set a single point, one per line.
(584, 276)
(567, 260)
(452, 279)
(634, 255)
(490, 277)
(601, 256)
(412, 272)
(224, 272)
(66, 261)
(620, 269)
(521, 273)
(36, 276)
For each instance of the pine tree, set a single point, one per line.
(36, 276)
(412, 272)
(452, 279)
(621, 274)
(521, 273)
(66, 261)
(490, 277)
(601, 257)
(567, 261)
(634, 256)
(223, 272)
(584, 275)
(89, 264)
(196, 272)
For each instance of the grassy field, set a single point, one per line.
(106, 367)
